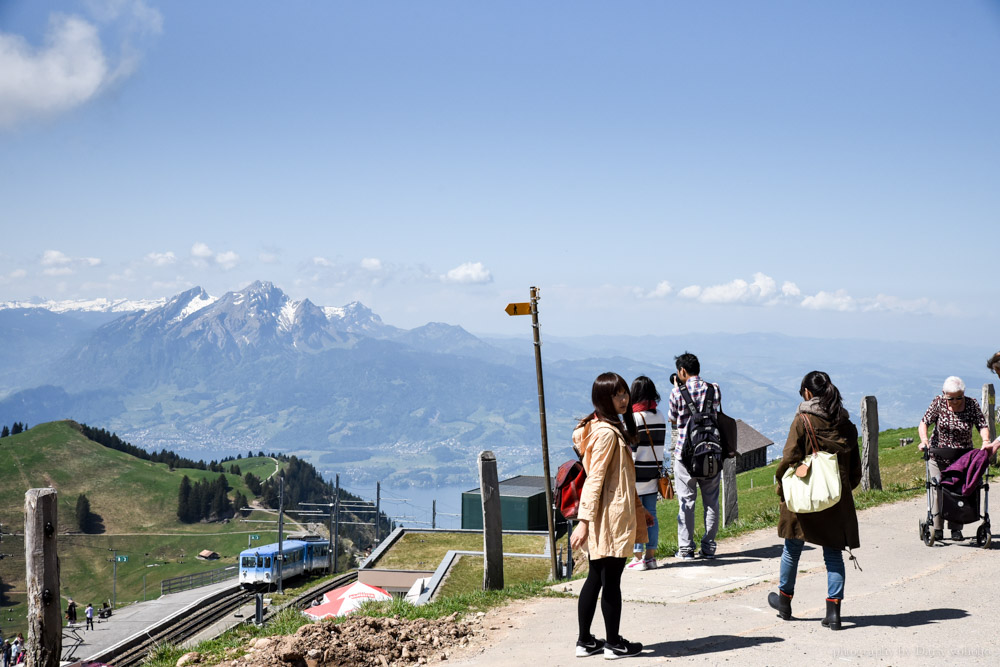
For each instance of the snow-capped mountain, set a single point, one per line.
(100, 305)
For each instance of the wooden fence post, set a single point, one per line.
(44, 643)
(489, 489)
(871, 477)
(989, 409)
(730, 504)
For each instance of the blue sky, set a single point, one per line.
(826, 169)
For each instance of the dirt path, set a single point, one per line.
(911, 605)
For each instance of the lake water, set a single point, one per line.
(412, 507)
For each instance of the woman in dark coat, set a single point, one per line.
(835, 528)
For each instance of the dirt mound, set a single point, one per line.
(361, 642)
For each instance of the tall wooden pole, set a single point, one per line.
(44, 643)
(336, 527)
(550, 515)
(871, 476)
(281, 534)
(489, 490)
(989, 409)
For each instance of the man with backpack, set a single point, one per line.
(697, 455)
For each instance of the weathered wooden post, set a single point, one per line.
(44, 643)
(489, 489)
(730, 504)
(989, 409)
(871, 477)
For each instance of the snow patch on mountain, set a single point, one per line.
(203, 300)
(99, 305)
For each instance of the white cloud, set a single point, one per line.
(58, 263)
(55, 258)
(71, 67)
(201, 251)
(762, 290)
(161, 258)
(790, 289)
(227, 260)
(661, 290)
(839, 300)
(690, 292)
(268, 257)
(322, 261)
(17, 274)
(371, 264)
(469, 273)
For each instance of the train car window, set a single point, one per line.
(260, 561)
(249, 561)
(267, 562)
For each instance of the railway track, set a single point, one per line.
(190, 622)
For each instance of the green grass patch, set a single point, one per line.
(424, 551)
(466, 574)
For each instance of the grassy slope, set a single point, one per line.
(136, 501)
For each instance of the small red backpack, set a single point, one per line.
(570, 479)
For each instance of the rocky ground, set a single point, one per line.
(361, 642)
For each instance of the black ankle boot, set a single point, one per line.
(832, 619)
(782, 602)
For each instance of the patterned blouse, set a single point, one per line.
(953, 429)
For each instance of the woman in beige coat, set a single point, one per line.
(606, 522)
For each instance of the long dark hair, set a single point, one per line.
(643, 389)
(822, 387)
(602, 394)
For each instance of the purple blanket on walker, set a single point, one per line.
(963, 475)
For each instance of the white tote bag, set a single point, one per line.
(815, 484)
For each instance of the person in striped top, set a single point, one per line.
(651, 431)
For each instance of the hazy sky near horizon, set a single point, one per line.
(823, 169)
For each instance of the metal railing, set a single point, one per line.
(189, 581)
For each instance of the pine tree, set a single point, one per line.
(184, 501)
(83, 513)
(16, 428)
(5, 432)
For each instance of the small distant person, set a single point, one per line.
(835, 528)
(6, 653)
(89, 613)
(953, 415)
(685, 486)
(71, 611)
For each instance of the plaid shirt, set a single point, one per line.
(679, 412)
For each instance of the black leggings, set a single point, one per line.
(605, 573)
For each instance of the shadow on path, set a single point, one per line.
(704, 645)
(906, 619)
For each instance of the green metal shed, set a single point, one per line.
(522, 504)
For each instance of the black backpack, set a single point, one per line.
(702, 451)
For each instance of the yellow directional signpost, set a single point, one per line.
(531, 308)
(518, 309)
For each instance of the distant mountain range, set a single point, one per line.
(254, 369)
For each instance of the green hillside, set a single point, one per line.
(135, 502)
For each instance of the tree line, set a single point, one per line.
(18, 427)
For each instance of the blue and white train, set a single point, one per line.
(259, 566)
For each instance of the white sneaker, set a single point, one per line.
(650, 563)
(637, 564)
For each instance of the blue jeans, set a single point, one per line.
(790, 565)
(649, 502)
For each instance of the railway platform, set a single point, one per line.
(80, 645)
